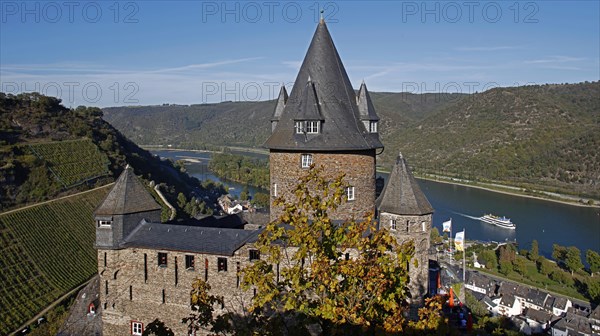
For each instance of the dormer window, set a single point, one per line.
(299, 127)
(312, 127)
(373, 127)
(308, 127)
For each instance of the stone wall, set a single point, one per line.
(417, 229)
(359, 167)
(134, 295)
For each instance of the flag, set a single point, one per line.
(459, 241)
(447, 226)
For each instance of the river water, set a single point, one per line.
(548, 222)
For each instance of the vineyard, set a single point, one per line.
(72, 162)
(45, 251)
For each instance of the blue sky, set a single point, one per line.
(108, 53)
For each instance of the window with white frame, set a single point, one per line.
(274, 189)
(104, 223)
(373, 126)
(393, 224)
(423, 226)
(137, 328)
(299, 125)
(312, 127)
(307, 160)
(350, 193)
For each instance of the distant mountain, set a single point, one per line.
(247, 123)
(535, 136)
(48, 150)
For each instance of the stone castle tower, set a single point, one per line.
(146, 267)
(125, 206)
(405, 211)
(323, 122)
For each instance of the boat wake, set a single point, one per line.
(466, 216)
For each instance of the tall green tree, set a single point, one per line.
(593, 259)
(314, 278)
(573, 259)
(535, 251)
(559, 253)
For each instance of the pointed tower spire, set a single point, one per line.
(341, 128)
(366, 109)
(279, 106)
(401, 194)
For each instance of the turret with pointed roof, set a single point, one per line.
(323, 123)
(401, 194)
(323, 85)
(127, 203)
(404, 210)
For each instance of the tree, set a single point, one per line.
(593, 259)
(519, 266)
(544, 266)
(181, 200)
(434, 236)
(573, 259)
(559, 253)
(314, 279)
(535, 251)
(261, 199)
(506, 257)
(157, 328)
(202, 316)
(593, 290)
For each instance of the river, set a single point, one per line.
(548, 222)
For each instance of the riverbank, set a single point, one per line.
(511, 190)
(493, 187)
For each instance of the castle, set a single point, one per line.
(146, 267)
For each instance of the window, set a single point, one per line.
(104, 259)
(299, 125)
(137, 328)
(254, 255)
(347, 256)
(373, 126)
(306, 160)
(222, 264)
(407, 226)
(423, 225)
(189, 262)
(130, 293)
(104, 223)
(393, 224)
(350, 193)
(312, 127)
(275, 189)
(145, 267)
(162, 259)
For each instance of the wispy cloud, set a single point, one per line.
(486, 48)
(555, 59)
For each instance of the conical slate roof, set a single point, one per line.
(281, 101)
(365, 105)
(127, 196)
(401, 194)
(341, 128)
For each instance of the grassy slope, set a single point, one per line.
(47, 250)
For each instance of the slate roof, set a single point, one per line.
(341, 129)
(127, 196)
(537, 297)
(479, 280)
(186, 238)
(401, 194)
(281, 101)
(595, 314)
(507, 300)
(575, 323)
(537, 315)
(365, 104)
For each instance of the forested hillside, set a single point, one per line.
(48, 150)
(543, 136)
